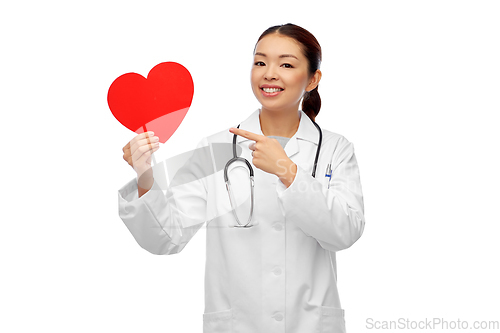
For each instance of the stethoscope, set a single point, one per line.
(235, 158)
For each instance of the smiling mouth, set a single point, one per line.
(271, 90)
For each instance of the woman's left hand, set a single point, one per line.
(268, 154)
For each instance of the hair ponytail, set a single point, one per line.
(311, 103)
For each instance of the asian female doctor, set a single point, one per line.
(274, 269)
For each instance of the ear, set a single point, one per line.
(314, 81)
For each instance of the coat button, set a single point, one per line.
(277, 271)
(278, 226)
(278, 317)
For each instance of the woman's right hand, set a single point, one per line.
(137, 153)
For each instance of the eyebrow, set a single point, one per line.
(281, 56)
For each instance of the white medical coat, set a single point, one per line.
(280, 275)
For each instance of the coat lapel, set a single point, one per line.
(306, 131)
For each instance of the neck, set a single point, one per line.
(279, 123)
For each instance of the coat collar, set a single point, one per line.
(306, 131)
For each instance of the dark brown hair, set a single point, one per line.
(311, 102)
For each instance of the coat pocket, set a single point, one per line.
(218, 322)
(331, 320)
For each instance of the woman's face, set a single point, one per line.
(279, 73)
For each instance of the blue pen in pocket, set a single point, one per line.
(328, 174)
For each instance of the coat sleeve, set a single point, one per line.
(165, 223)
(334, 216)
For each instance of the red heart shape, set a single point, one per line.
(158, 103)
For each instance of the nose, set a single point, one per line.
(270, 73)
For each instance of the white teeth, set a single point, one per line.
(271, 90)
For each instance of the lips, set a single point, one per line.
(271, 92)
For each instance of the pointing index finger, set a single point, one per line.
(246, 134)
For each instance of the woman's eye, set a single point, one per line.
(287, 66)
(259, 63)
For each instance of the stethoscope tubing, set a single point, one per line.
(252, 183)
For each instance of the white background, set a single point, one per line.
(413, 84)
